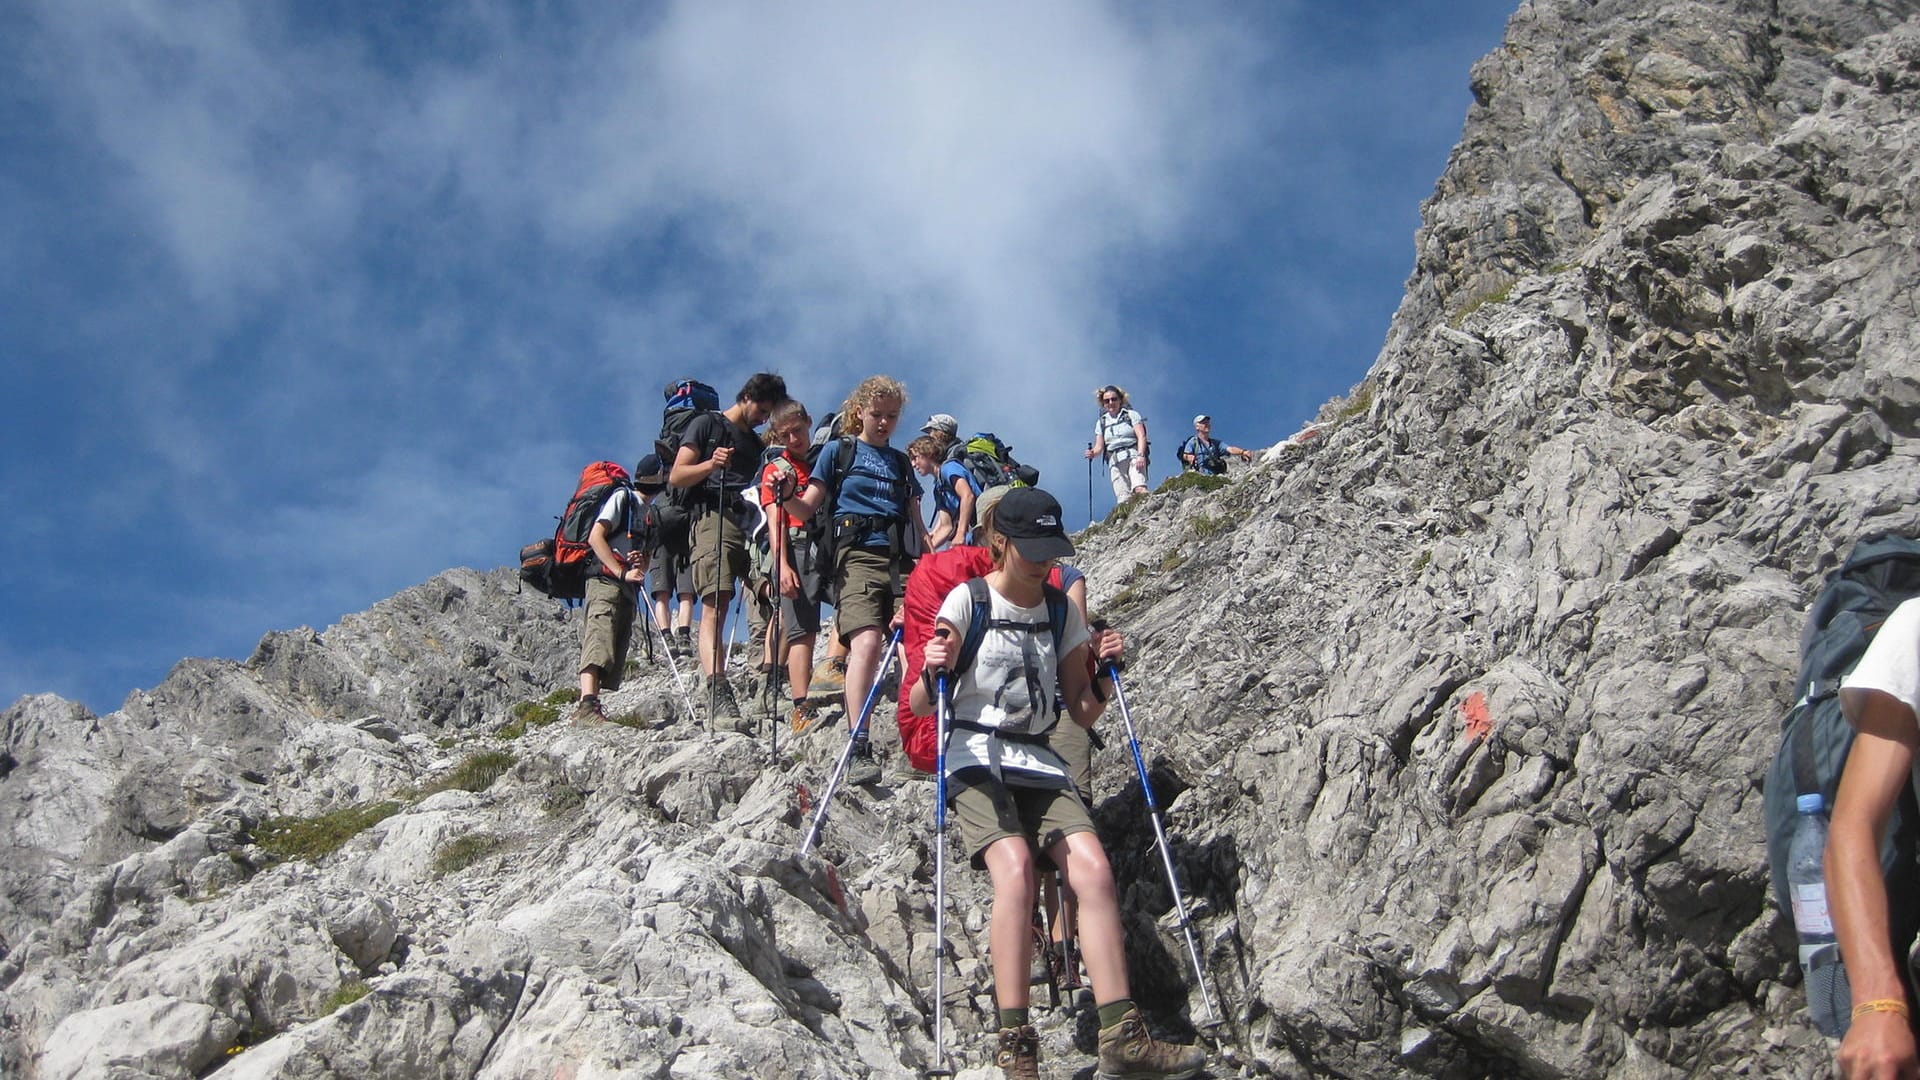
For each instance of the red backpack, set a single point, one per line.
(560, 566)
(933, 577)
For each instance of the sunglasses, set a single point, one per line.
(1109, 400)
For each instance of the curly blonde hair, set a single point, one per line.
(871, 389)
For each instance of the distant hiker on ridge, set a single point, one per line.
(1202, 453)
(1120, 436)
(716, 463)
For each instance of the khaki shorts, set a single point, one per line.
(865, 590)
(709, 557)
(1075, 747)
(606, 627)
(989, 812)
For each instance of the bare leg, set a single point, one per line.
(800, 665)
(1010, 927)
(1090, 877)
(863, 656)
(712, 628)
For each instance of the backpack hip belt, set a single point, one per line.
(860, 524)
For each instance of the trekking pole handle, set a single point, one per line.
(938, 678)
(1114, 665)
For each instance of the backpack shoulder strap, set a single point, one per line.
(976, 626)
(1056, 616)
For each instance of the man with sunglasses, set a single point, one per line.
(1120, 436)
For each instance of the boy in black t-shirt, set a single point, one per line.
(718, 456)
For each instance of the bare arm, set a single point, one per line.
(963, 518)
(689, 471)
(1084, 703)
(610, 559)
(1878, 1045)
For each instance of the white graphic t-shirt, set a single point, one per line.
(1011, 687)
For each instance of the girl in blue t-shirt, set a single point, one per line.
(877, 532)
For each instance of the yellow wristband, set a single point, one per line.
(1880, 1005)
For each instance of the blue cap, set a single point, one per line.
(1810, 804)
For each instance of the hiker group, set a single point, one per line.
(1003, 675)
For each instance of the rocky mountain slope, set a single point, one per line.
(1459, 709)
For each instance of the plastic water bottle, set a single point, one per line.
(1829, 998)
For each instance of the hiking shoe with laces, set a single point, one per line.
(1127, 1052)
(587, 713)
(804, 717)
(863, 769)
(1018, 1054)
(720, 692)
(683, 643)
(829, 678)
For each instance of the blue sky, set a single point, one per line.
(307, 302)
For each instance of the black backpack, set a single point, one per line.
(990, 463)
(1815, 737)
(675, 506)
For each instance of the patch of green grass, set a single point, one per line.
(533, 714)
(1207, 526)
(476, 773)
(1192, 481)
(447, 742)
(463, 851)
(349, 992)
(563, 799)
(1491, 296)
(1421, 563)
(312, 838)
(1121, 511)
(1171, 561)
(1360, 402)
(631, 720)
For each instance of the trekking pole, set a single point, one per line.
(942, 720)
(673, 666)
(1112, 670)
(1089, 483)
(846, 753)
(776, 636)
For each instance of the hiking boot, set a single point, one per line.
(1019, 1053)
(683, 643)
(829, 678)
(1127, 1052)
(720, 692)
(863, 769)
(804, 717)
(588, 713)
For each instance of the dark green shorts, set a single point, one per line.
(988, 811)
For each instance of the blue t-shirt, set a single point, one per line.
(945, 497)
(875, 486)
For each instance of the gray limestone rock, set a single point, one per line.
(1457, 704)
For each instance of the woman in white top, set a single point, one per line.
(1011, 791)
(1120, 436)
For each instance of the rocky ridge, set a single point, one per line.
(1459, 710)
